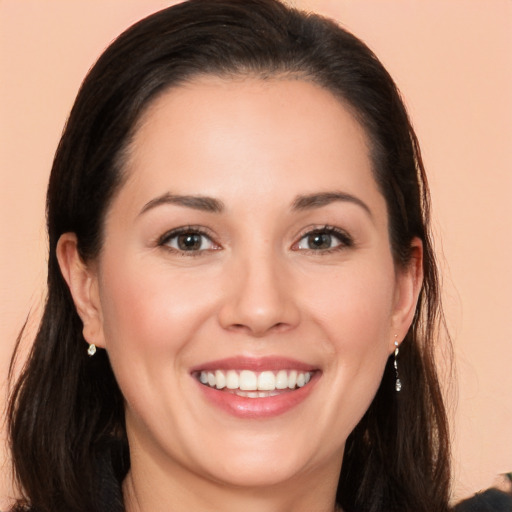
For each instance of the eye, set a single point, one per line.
(324, 239)
(188, 240)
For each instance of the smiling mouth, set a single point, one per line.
(250, 384)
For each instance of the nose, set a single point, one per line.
(259, 298)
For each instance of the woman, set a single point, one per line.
(242, 294)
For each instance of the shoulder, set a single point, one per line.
(491, 500)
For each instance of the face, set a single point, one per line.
(246, 292)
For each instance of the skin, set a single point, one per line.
(256, 288)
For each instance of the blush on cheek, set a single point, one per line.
(152, 309)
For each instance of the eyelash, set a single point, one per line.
(344, 239)
(166, 238)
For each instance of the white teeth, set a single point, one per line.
(292, 379)
(266, 381)
(248, 383)
(281, 379)
(232, 379)
(220, 379)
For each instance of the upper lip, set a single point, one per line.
(256, 364)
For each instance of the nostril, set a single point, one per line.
(255, 331)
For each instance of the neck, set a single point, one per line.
(151, 490)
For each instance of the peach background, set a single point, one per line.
(453, 63)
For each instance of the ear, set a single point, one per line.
(82, 281)
(409, 280)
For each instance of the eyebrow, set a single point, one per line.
(212, 205)
(312, 201)
(205, 204)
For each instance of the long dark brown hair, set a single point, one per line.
(66, 408)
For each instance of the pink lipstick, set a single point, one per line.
(256, 387)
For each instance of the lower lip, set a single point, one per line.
(253, 408)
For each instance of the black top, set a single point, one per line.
(492, 500)
(113, 465)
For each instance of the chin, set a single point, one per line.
(268, 461)
(263, 472)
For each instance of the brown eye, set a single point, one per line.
(319, 241)
(189, 241)
(324, 239)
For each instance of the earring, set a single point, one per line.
(91, 350)
(398, 382)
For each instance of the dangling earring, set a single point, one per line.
(91, 350)
(398, 382)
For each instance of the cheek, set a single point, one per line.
(354, 312)
(358, 344)
(151, 317)
(152, 310)
(354, 305)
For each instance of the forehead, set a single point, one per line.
(220, 137)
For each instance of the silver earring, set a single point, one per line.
(91, 350)
(398, 382)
